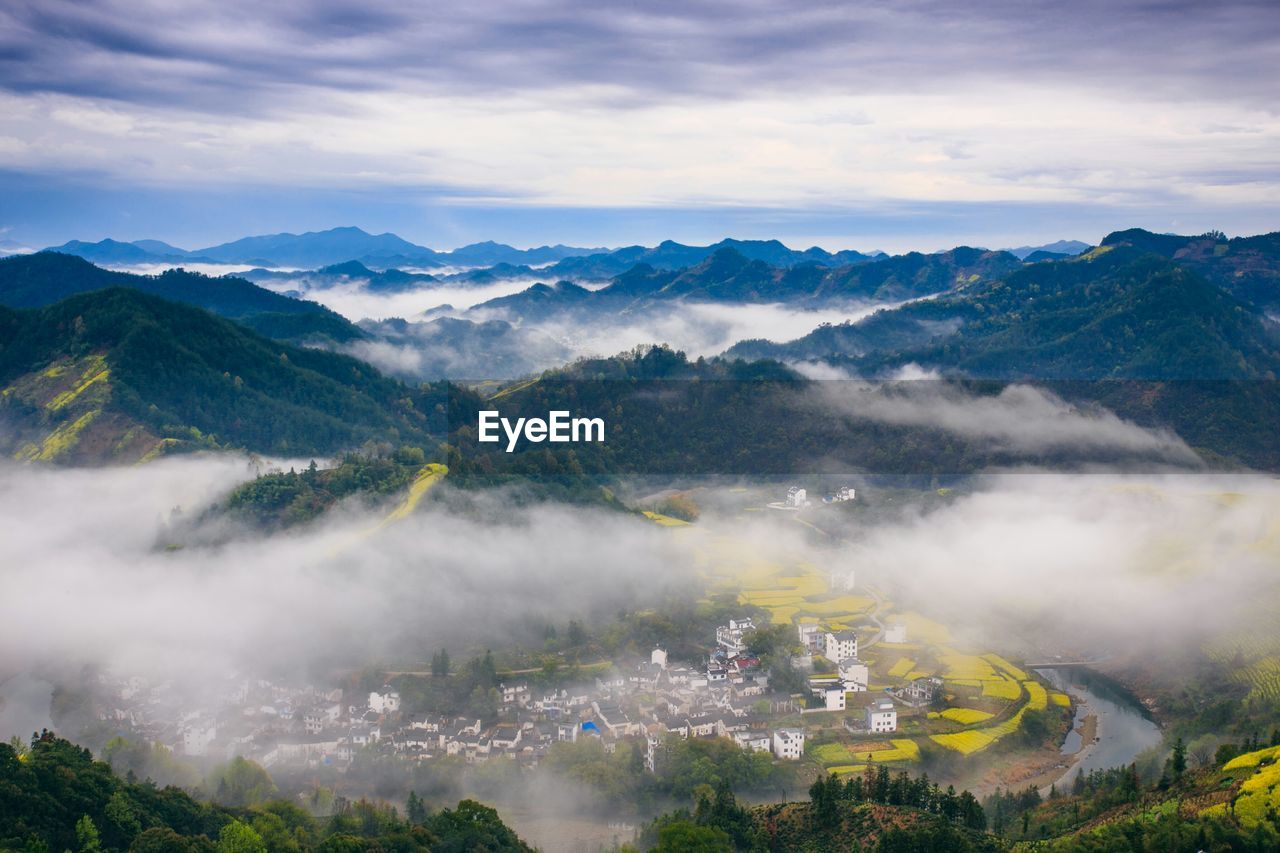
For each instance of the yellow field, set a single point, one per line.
(901, 668)
(1039, 699)
(965, 743)
(1003, 688)
(665, 520)
(1060, 699)
(1002, 664)
(965, 716)
(1253, 759)
(847, 769)
(903, 750)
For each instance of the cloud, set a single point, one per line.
(1020, 418)
(705, 105)
(88, 579)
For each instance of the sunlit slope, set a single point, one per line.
(106, 376)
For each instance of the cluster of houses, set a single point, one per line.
(650, 701)
(798, 498)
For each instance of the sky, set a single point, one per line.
(912, 125)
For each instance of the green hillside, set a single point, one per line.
(117, 375)
(43, 278)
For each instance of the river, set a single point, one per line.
(1124, 728)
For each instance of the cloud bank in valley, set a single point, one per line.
(88, 579)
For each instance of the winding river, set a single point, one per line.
(1124, 728)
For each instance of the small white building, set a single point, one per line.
(658, 657)
(895, 633)
(854, 675)
(797, 497)
(882, 716)
(729, 637)
(810, 636)
(197, 736)
(385, 702)
(788, 744)
(833, 697)
(843, 580)
(840, 645)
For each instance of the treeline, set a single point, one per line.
(869, 812)
(54, 796)
(289, 498)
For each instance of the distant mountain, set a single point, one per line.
(1058, 247)
(30, 281)
(115, 253)
(1113, 313)
(489, 254)
(670, 255)
(727, 275)
(315, 249)
(349, 272)
(121, 375)
(453, 348)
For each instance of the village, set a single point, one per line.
(727, 695)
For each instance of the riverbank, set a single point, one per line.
(1109, 730)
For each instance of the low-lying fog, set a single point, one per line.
(1094, 561)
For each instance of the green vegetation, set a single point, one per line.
(41, 279)
(181, 373)
(54, 796)
(295, 497)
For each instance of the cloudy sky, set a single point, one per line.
(903, 125)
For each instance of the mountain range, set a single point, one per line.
(316, 249)
(1172, 332)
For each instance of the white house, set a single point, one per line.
(729, 637)
(895, 633)
(788, 744)
(197, 736)
(882, 716)
(752, 741)
(833, 697)
(658, 657)
(810, 636)
(386, 702)
(797, 497)
(840, 645)
(843, 580)
(854, 675)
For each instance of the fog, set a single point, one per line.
(354, 300)
(88, 581)
(1020, 418)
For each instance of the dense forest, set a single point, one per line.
(54, 796)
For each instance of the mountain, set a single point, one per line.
(1247, 267)
(346, 273)
(1057, 247)
(315, 249)
(670, 255)
(458, 349)
(489, 253)
(119, 375)
(727, 275)
(115, 253)
(30, 281)
(1117, 312)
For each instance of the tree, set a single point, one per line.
(415, 809)
(87, 835)
(1178, 761)
(237, 837)
(241, 782)
(687, 837)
